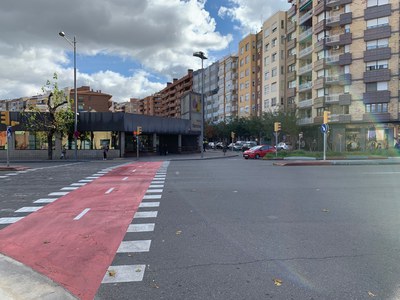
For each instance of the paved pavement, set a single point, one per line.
(18, 281)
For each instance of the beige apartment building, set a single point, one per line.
(343, 56)
(228, 88)
(274, 63)
(249, 84)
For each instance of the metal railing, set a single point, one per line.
(306, 51)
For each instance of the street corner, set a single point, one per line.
(18, 281)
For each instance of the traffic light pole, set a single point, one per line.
(8, 145)
(325, 145)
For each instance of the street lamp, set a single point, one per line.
(73, 44)
(201, 55)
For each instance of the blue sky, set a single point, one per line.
(126, 48)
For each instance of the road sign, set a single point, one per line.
(9, 131)
(324, 128)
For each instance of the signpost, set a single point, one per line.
(9, 134)
(325, 129)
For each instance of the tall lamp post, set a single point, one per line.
(73, 44)
(201, 55)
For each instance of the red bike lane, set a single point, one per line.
(74, 239)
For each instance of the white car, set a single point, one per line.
(283, 146)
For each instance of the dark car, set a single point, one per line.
(248, 145)
(258, 151)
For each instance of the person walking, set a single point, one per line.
(63, 153)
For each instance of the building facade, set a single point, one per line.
(274, 63)
(228, 88)
(344, 56)
(210, 90)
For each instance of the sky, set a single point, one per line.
(125, 48)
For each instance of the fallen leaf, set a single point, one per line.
(277, 282)
(138, 270)
(371, 294)
(178, 232)
(325, 210)
(111, 273)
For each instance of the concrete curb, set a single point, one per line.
(19, 282)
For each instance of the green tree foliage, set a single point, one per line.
(59, 117)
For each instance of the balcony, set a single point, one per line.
(291, 92)
(345, 59)
(332, 59)
(319, 102)
(305, 34)
(291, 27)
(339, 79)
(319, 83)
(381, 53)
(332, 40)
(376, 97)
(305, 17)
(376, 117)
(376, 33)
(291, 11)
(332, 99)
(345, 99)
(377, 75)
(305, 121)
(333, 20)
(306, 51)
(305, 86)
(305, 103)
(305, 69)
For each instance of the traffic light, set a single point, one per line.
(277, 126)
(5, 118)
(232, 135)
(327, 117)
(139, 130)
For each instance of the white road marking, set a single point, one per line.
(58, 194)
(109, 190)
(10, 220)
(134, 171)
(134, 246)
(151, 197)
(45, 200)
(156, 186)
(79, 184)
(149, 204)
(380, 173)
(145, 214)
(159, 176)
(141, 227)
(11, 174)
(125, 273)
(102, 172)
(85, 180)
(28, 209)
(125, 178)
(154, 191)
(3, 176)
(84, 212)
(70, 188)
(92, 177)
(157, 181)
(98, 175)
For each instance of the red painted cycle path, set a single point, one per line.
(77, 253)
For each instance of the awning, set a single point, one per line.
(305, 5)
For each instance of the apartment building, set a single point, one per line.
(274, 63)
(170, 102)
(228, 88)
(211, 105)
(92, 100)
(249, 92)
(344, 56)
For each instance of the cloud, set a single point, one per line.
(159, 36)
(251, 14)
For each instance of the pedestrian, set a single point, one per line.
(105, 150)
(63, 153)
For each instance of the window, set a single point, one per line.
(266, 89)
(282, 24)
(247, 59)
(273, 57)
(320, 74)
(321, 55)
(266, 103)
(292, 51)
(266, 75)
(247, 72)
(273, 87)
(321, 17)
(241, 74)
(376, 2)
(266, 48)
(347, 8)
(273, 42)
(346, 89)
(247, 97)
(292, 84)
(345, 110)
(241, 62)
(347, 28)
(377, 22)
(274, 27)
(241, 86)
(292, 68)
(375, 44)
(320, 93)
(378, 64)
(273, 101)
(320, 36)
(320, 112)
(376, 107)
(247, 47)
(376, 86)
(241, 50)
(247, 84)
(266, 31)
(274, 72)
(266, 61)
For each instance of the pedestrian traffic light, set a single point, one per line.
(5, 118)
(277, 126)
(327, 117)
(139, 130)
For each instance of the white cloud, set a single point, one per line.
(159, 36)
(252, 13)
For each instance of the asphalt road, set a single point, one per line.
(244, 229)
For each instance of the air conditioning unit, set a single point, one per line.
(336, 7)
(337, 47)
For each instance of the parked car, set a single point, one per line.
(248, 145)
(283, 146)
(258, 151)
(211, 145)
(238, 146)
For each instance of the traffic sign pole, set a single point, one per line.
(9, 133)
(324, 129)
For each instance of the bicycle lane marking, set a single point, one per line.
(76, 253)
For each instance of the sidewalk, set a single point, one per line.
(307, 161)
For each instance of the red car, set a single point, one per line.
(258, 151)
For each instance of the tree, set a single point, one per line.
(59, 117)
